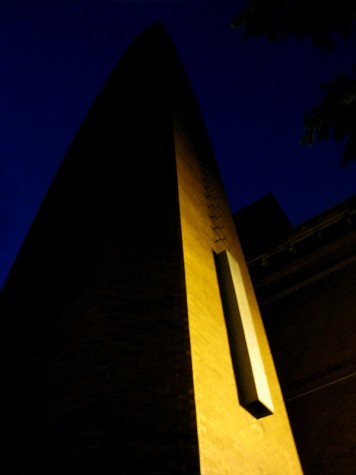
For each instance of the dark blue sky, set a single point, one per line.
(56, 54)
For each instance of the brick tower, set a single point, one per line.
(135, 340)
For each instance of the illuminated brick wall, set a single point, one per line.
(230, 438)
(120, 361)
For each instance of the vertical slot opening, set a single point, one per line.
(251, 379)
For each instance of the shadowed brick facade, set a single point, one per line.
(120, 360)
(305, 284)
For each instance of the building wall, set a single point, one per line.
(120, 361)
(230, 438)
(100, 376)
(305, 285)
(314, 348)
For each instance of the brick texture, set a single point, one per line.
(119, 358)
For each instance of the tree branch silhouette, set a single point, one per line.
(319, 21)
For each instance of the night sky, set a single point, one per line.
(56, 55)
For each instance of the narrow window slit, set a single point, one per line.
(251, 380)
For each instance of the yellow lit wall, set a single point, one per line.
(231, 440)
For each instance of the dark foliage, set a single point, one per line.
(316, 19)
(335, 114)
(319, 21)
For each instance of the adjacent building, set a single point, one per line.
(305, 282)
